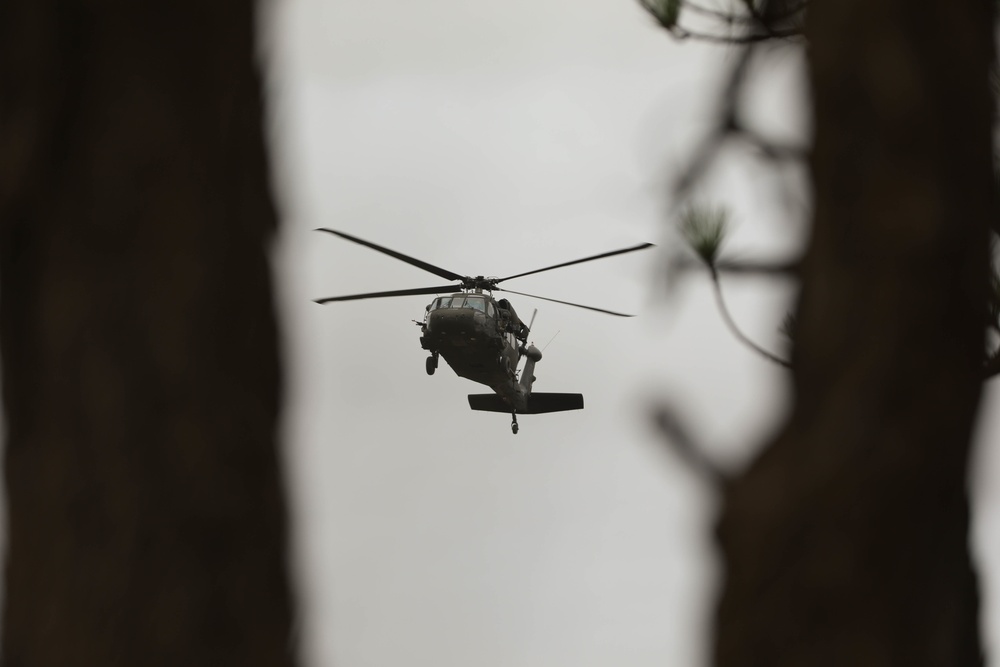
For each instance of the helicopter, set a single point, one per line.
(481, 337)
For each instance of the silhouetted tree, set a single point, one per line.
(845, 542)
(141, 377)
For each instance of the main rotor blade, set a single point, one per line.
(566, 303)
(402, 292)
(641, 246)
(436, 270)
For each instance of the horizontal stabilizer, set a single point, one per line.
(538, 403)
(488, 403)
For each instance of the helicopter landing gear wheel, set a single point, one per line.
(431, 364)
(513, 424)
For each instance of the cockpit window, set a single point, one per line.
(461, 301)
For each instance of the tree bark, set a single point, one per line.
(141, 378)
(846, 542)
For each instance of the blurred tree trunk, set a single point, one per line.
(140, 376)
(847, 541)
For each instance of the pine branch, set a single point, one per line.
(731, 323)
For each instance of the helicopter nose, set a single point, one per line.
(452, 321)
(448, 319)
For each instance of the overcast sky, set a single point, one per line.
(494, 138)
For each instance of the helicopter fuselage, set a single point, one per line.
(480, 338)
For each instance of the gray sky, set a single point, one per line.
(496, 138)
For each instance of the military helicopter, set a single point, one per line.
(481, 337)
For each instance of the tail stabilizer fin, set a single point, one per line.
(488, 403)
(539, 403)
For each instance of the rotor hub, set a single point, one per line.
(479, 283)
